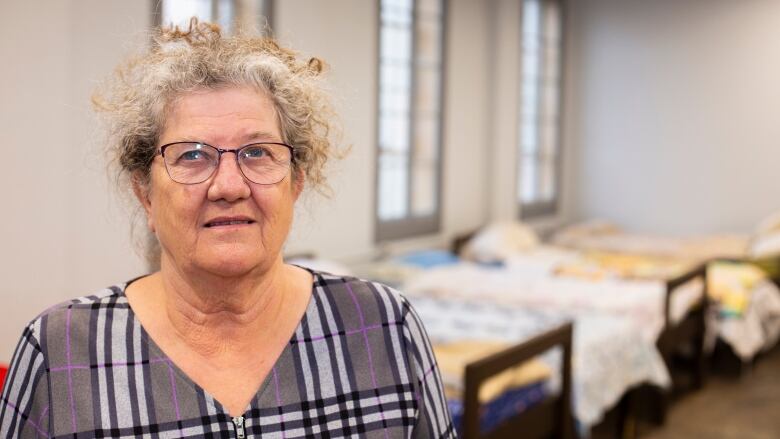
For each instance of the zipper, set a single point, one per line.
(238, 422)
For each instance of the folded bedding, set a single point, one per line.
(610, 238)
(453, 357)
(748, 318)
(596, 265)
(730, 285)
(501, 397)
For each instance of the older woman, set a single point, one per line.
(218, 137)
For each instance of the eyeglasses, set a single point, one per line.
(195, 162)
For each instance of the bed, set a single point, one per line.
(609, 356)
(664, 314)
(746, 314)
(666, 297)
(612, 354)
(667, 312)
(529, 409)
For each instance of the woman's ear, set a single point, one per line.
(142, 191)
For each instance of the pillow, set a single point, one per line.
(575, 234)
(428, 258)
(766, 245)
(765, 242)
(770, 224)
(595, 227)
(500, 241)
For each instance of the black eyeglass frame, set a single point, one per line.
(161, 152)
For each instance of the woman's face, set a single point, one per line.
(226, 225)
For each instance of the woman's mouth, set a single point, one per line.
(228, 222)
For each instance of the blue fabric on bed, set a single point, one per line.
(503, 407)
(428, 258)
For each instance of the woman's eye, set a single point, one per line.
(254, 153)
(191, 155)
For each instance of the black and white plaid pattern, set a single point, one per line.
(358, 365)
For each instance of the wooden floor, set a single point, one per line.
(729, 407)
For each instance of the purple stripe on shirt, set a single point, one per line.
(351, 332)
(368, 351)
(173, 392)
(70, 376)
(279, 400)
(28, 420)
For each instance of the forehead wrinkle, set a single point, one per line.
(263, 125)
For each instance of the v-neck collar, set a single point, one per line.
(311, 307)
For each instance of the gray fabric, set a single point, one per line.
(358, 365)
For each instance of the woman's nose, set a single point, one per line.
(228, 183)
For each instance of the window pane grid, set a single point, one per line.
(229, 14)
(410, 68)
(540, 102)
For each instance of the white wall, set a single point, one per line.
(675, 112)
(62, 234)
(343, 33)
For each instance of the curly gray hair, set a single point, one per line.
(135, 100)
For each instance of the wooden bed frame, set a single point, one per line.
(691, 328)
(689, 332)
(551, 418)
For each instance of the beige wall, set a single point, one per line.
(62, 234)
(345, 34)
(675, 112)
(502, 43)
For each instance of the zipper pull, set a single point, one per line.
(238, 421)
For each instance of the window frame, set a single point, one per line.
(267, 6)
(541, 208)
(411, 225)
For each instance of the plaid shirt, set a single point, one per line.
(358, 365)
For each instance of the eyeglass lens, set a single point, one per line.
(261, 163)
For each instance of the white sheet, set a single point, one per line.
(642, 302)
(542, 262)
(759, 328)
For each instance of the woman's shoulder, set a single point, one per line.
(76, 312)
(361, 295)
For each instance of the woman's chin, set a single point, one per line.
(233, 262)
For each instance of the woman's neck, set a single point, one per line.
(218, 316)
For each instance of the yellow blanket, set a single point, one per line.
(730, 284)
(453, 358)
(597, 266)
